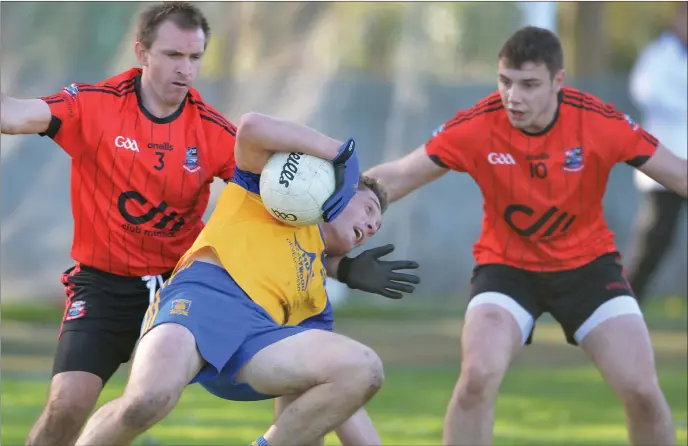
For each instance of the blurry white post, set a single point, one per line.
(408, 103)
(540, 14)
(408, 100)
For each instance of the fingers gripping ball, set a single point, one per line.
(294, 187)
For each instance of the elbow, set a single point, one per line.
(251, 125)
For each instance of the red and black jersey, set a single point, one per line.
(542, 192)
(139, 184)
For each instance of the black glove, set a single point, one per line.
(366, 272)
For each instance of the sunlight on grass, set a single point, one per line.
(538, 406)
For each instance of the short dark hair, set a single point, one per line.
(185, 15)
(365, 182)
(533, 44)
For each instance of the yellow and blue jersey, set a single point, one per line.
(280, 267)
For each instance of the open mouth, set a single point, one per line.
(359, 234)
(517, 114)
(179, 84)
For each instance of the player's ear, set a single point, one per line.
(141, 54)
(559, 79)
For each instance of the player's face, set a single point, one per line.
(360, 220)
(172, 62)
(529, 94)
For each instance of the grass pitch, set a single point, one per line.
(552, 396)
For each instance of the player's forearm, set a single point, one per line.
(668, 170)
(23, 116)
(391, 177)
(403, 176)
(278, 135)
(681, 180)
(358, 430)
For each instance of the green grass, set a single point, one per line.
(551, 396)
(536, 407)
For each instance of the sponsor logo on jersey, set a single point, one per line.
(500, 158)
(166, 146)
(137, 211)
(126, 143)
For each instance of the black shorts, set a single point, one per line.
(571, 296)
(102, 320)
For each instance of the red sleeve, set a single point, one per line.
(225, 149)
(451, 144)
(222, 138)
(65, 126)
(625, 139)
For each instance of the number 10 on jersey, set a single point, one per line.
(538, 170)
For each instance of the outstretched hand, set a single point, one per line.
(366, 272)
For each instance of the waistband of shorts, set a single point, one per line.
(116, 277)
(204, 267)
(613, 256)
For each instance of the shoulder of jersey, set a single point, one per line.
(583, 102)
(483, 112)
(210, 116)
(119, 85)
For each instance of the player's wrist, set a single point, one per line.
(343, 269)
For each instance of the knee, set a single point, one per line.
(363, 370)
(477, 383)
(142, 410)
(69, 410)
(642, 399)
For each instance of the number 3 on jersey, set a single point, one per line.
(161, 161)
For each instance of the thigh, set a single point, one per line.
(509, 292)
(584, 298)
(226, 325)
(257, 337)
(622, 351)
(166, 360)
(289, 366)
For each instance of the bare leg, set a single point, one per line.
(491, 339)
(166, 360)
(357, 430)
(281, 403)
(332, 384)
(621, 349)
(73, 395)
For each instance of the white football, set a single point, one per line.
(294, 187)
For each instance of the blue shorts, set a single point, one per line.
(228, 326)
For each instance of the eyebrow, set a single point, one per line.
(377, 204)
(173, 52)
(530, 79)
(379, 225)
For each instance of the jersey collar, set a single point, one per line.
(149, 115)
